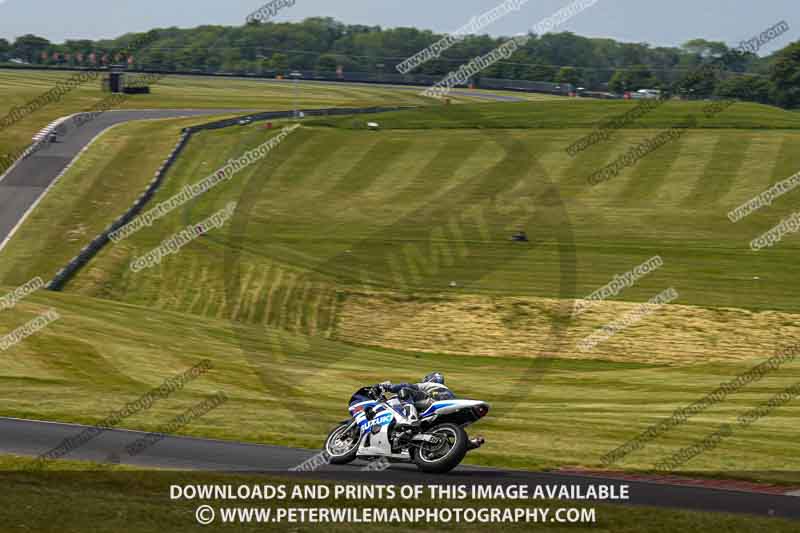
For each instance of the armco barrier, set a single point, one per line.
(377, 78)
(87, 254)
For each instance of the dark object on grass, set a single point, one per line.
(519, 236)
(137, 89)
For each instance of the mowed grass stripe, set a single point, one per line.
(575, 180)
(788, 159)
(765, 155)
(624, 142)
(518, 168)
(452, 164)
(556, 160)
(689, 169)
(787, 163)
(392, 219)
(372, 164)
(468, 226)
(343, 160)
(650, 175)
(513, 165)
(299, 174)
(729, 153)
(398, 174)
(149, 282)
(387, 220)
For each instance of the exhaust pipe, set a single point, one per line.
(475, 443)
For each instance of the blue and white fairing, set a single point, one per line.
(383, 415)
(375, 432)
(375, 440)
(446, 407)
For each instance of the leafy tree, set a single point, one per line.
(633, 79)
(564, 49)
(737, 61)
(749, 88)
(159, 60)
(701, 82)
(541, 73)
(619, 82)
(328, 63)
(279, 63)
(569, 75)
(323, 43)
(706, 49)
(786, 76)
(30, 47)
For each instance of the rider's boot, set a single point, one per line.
(411, 416)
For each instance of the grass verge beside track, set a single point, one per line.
(114, 499)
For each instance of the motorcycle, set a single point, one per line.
(380, 428)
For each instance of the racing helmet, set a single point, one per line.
(434, 377)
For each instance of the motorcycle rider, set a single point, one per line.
(430, 389)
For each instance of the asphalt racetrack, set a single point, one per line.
(32, 438)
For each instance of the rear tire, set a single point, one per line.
(341, 446)
(442, 458)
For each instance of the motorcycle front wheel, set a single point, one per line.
(446, 453)
(342, 443)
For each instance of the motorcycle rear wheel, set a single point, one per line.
(447, 454)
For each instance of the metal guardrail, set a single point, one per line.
(388, 78)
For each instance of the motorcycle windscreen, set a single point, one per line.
(361, 395)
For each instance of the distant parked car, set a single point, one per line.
(646, 94)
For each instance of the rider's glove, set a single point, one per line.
(385, 385)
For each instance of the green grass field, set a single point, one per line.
(582, 113)
(335, 272)
(327, 190)
(338, 221)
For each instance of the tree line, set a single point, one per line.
(697, 69)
